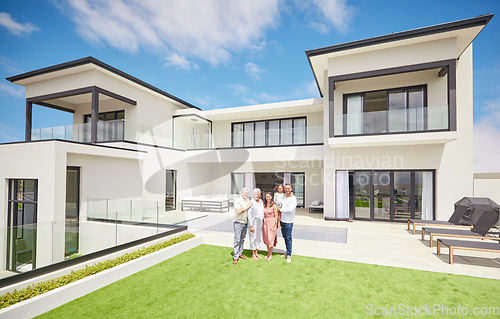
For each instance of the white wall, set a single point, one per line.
(487, 187)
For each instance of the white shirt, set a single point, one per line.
(256, 212)
(288, 207)
(239, 203)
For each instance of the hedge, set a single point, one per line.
(37, 289)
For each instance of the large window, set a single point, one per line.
(21, 229)
(385, 111)
(110, 126)
(72, 211)
(171, 189)
(267, 181)
(391, 195)
(107, 116)
(291, 131)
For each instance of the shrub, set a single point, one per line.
(44, 286)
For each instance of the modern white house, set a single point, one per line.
(389, 139)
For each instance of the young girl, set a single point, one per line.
(279, 195)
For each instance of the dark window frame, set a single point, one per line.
(412, 195)
(12, 220)
(387, 92)
(174, 205)
(87, 117)
(267, 132)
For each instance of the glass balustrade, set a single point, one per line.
(109, 223)
(392, 121)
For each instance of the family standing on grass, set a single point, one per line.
(262, 217)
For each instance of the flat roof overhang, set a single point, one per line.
(84, 64)
(464, 30)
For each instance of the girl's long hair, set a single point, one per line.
(265, 200)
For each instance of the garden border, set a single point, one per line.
(57, 297)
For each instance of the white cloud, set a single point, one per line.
(16, 28)
(253, 70)
(7, 134)
(179, 62)
(238, 89)
(10, 89)
(487, 140)
(327, 14)
(8, 65)
(209, 30)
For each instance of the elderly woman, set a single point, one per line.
(241, 206)
(255, 220)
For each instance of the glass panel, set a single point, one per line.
(416, 110)
(72, 193)
(354, 117)
(274, 133)
(374, 117)
(248, 135)
(238, 182)
(382, 195)
(120, 115)
(171, 190)
(418, 195)
(397, 111)
(71, 231)
(402, 195)
(260, 133)
(110, 116)
(298, 181)
(299, 131)
(362, 194)
(424, 190)
(286, 132)
(237, 135)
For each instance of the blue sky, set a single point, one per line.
(218, 54)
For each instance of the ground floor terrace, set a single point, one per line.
(379, 243)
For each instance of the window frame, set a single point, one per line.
(387, 92)
(267, 131)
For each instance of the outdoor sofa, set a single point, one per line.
(316, 207)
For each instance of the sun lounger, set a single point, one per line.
(480, 229)
(452, 222)
(453, 244)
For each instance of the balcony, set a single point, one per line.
(107, 131)
(258, 139)
(393, 127)
(392, 121)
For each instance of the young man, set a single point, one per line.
(288, 207)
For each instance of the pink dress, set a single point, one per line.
(268, 234)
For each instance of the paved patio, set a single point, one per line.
(381, 243)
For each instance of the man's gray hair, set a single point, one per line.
(244, 189)
(257, 190)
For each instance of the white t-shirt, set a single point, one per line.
(288, 209)
(239, 203)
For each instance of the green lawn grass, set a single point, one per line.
(203, 283)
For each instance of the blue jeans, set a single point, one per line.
(240, 231)
(286, 232)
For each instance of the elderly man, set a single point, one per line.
(288, 207)
(241, 206)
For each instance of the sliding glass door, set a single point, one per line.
(392, 195)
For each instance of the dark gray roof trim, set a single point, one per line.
(103, 65)
(439, 28)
